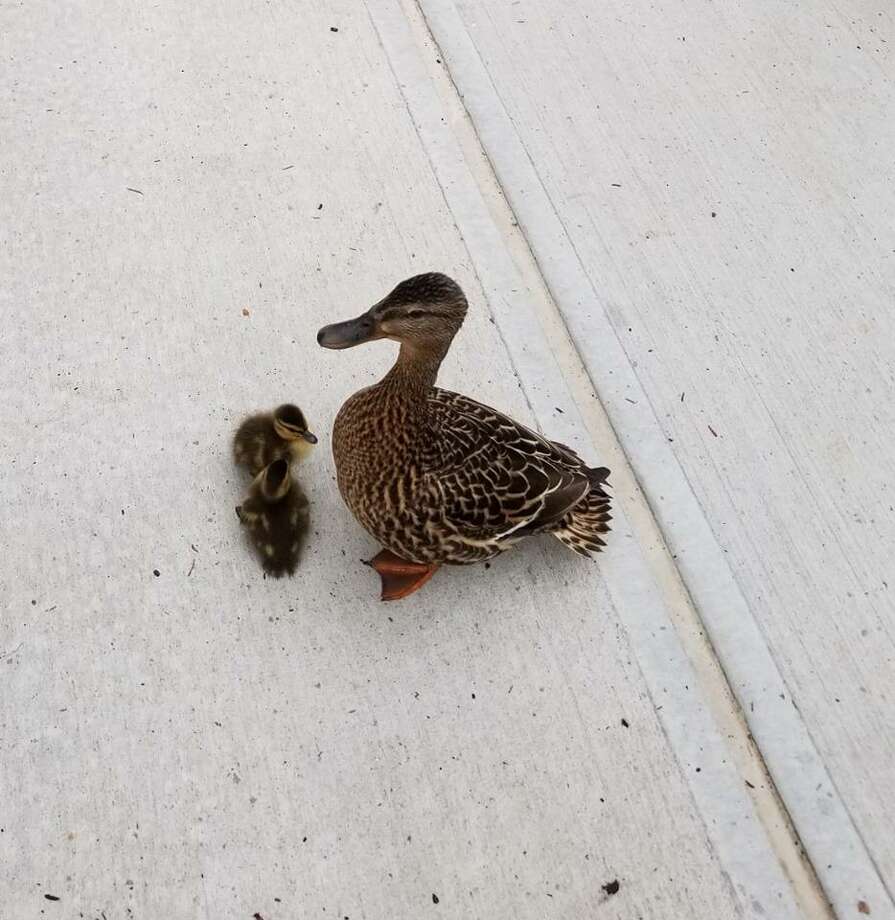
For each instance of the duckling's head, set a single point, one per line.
(423, 312)
(269, 487)
(290, 424)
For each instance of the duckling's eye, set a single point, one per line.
(416, 314)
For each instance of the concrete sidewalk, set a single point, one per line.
(705, 190)
(189, 192)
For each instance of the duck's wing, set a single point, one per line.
(496, 478)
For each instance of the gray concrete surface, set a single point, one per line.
(182, 738)
(705, 189)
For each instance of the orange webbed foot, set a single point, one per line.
(400, 577)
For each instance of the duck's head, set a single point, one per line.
(270, 486)
(290, 424)
(423, 312)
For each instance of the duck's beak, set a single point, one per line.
(350, 333)
(309, 437)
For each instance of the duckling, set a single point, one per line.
(275, 514)
(269, 436)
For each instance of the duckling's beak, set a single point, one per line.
(310, 438)
(350, 333)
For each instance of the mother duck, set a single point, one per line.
(436, 477)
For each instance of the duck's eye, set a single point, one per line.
(416, 314)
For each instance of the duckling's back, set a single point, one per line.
(288, 525)
(277, 529)
(256, 443)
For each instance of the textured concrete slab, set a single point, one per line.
(704, 189)
(189, 193)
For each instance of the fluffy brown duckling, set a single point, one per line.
(275, 515)
(269, 436)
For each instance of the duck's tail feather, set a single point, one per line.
(582, 528)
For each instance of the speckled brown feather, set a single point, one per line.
(452, 481)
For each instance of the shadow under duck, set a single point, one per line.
(436, 477)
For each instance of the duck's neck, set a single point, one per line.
(416, 369)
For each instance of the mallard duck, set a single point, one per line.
(268, 436)
(275, 515)
(436, 477)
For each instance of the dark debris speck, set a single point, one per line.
(434, 898)
(625, 723)
(51, 897)
(612, 887)
(156, 572)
